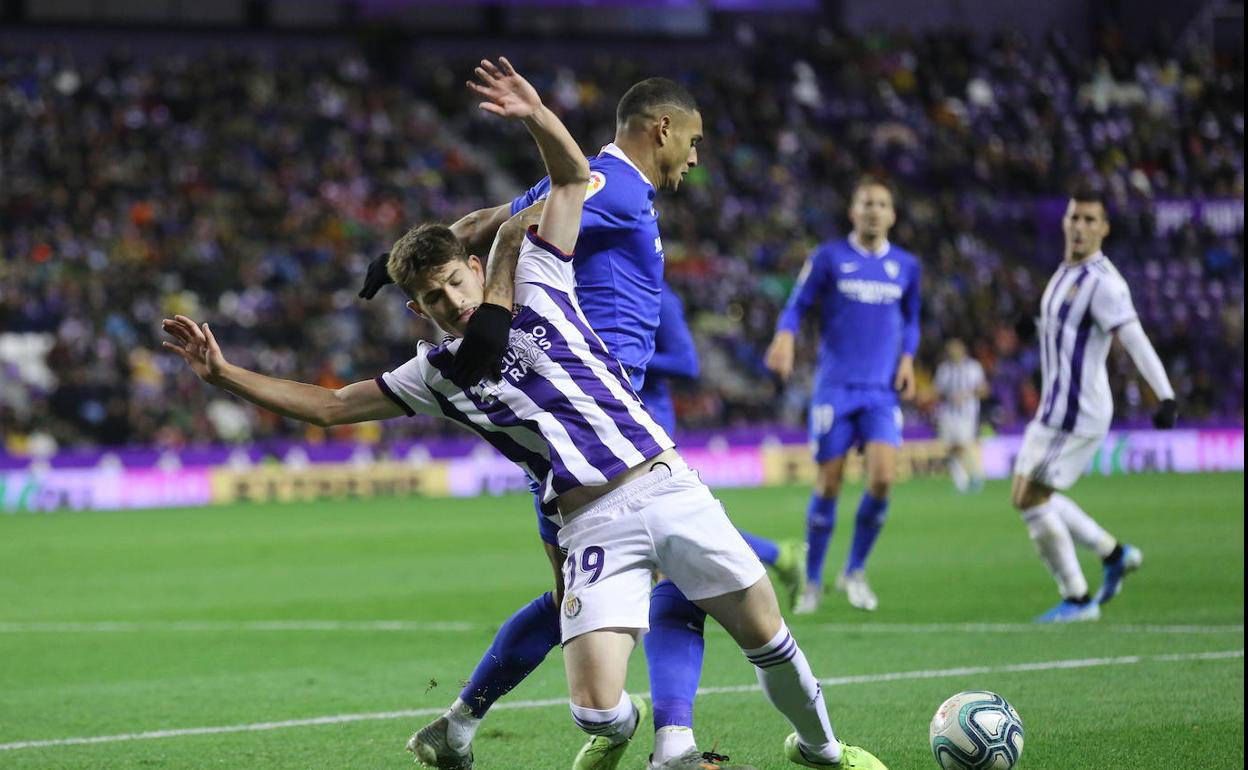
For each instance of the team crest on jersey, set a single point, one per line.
(572, 606)
(892, 268)
(597, 181)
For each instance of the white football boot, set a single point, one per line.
(858, 590)
(808, 602)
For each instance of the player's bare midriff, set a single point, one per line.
(575, 499)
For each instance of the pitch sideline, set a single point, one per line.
(1074, 663)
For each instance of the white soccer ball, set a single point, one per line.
(976, 730)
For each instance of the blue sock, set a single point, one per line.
(674, 653)
(766, 550)
(519, 646)
(820, 522)
(867, 526)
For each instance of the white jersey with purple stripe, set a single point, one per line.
(564, 410)
(1082, 307)
(954, 378)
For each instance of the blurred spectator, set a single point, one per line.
(252, 190)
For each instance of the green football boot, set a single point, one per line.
(790, 568)
(852, 757)
(600, 753)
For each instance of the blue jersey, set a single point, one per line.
(674, 356)
(619, 258)
(869, 313)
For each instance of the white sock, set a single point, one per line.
(792, 688)
(1083, 528)
(671, 742)
(461, 726)
(958, 472)
(1056, 549)
(615, 724)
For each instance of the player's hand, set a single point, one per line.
(1167, 415)
(1025, 328)
(903, 382)
(377, 277)
(480, 355)
(197, 347)
(506, 93)
(779, 355)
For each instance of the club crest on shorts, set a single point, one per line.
(571, 606)
(892, 268)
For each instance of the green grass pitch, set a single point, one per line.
(118, 624)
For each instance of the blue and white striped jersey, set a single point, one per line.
(564, 410)
(961, 378)
(1082, 307)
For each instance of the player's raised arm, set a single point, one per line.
(358, 402)
(509, 95)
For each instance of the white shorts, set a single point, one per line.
(957, 431)
(1054, 457)
(667, 520)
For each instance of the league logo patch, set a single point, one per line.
(597, 181)
(892, 268)
(571, 606)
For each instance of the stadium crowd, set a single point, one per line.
(252, 190)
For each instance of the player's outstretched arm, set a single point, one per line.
(1133, 338)
(509, 95)
(358, 402)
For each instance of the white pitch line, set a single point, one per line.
(895, 676)
(227, 626)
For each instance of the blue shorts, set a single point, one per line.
(844, 418)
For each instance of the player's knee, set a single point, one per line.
(829, 488)
(1026, 495)
(880, 487)
(590, 697)
(1017, 500)
(828, 481)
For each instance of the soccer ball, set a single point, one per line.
(976, 730)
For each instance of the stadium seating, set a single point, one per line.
(142, 185)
